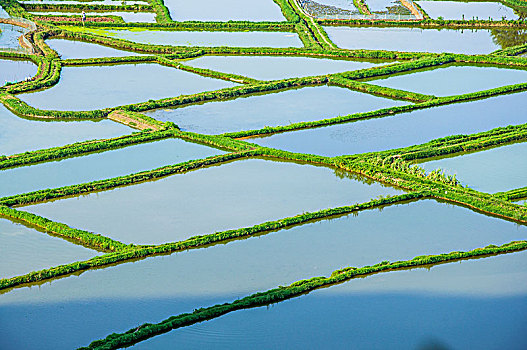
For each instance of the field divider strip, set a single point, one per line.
(281, 293)
(121, 181)
(132, 252)
(87, 239)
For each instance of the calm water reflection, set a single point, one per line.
(404, 129)
(100, 166)
(19, 135)
(494, 170)
(66, 313)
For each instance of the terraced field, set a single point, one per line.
(272, 174)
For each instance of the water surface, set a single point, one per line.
(204, 277)
(229, 196)
(274, 68)
(18, 135)
(98, 166)
(386, 6)
(477, 303)
(343, 4)
(454, 80)
(96, 87)
(70, 49)
(282, 108)
(16, 70)
(481, 41)
(226, 10)
(182, 38)
(9, 35)
(495, 170)
(468, 10)
(402, 130)
(24, 249)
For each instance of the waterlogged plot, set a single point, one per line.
(468, 10)
(403, 130)
(147, 17)
(124, 293)
(9, 35)
(100, 166)
(454, 80)
(341, 4)
(255, 112)
(183, 38)
(387, 6)
(494, 170)
(16, 70)
(274, 68)
(480, 303)
(226, 10)
(95, 87)
(480, 41)
(69, 49)
(237, 194)
(18, 135)
(144, 196)
(24, 249)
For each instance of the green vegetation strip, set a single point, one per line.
(56, 7)
(81, 148)
(434, 102)
(516, 194)
(148, 330)
(379, 90)
(47, 194)
(209, 26)
(195, 242)
(460, 143)
(88, 239)
(397, 172)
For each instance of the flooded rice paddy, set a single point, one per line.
(9, 35)
(468, 10)
(238, 194)
(275, 68)
(453, 80)
(18, 135)
(16, 70)
(488, 296)
(280, 108)
(183, 280)
(230, 10)
(25, 249)
(94, 87)
(476, 303)
(69, 49)
(495, 170)
(466, 41)
(403, 130)
(184, 38)
(98, 166)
